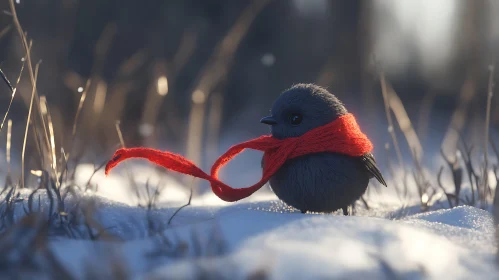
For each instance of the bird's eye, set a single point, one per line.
(296, 119)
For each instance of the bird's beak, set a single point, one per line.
(268, 120)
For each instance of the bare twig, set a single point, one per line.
(457, 176)
(466, 153)
(93, 174)
(440, 184)
(183, 206)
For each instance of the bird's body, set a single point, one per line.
(320, 182)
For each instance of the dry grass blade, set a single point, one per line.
(405, 124)
(457, 177)
(97, 90)
(473, 178)
(494, 148)
(6, 80)
(12, 89)
(27, 124)
(52, 144)
(218, 65)
(214, 124)
(5, 31)
(402, 118)
(214, 73)
(391, 128)
(185, 50)
(80, 106)
(27, 48)
(75, 125)
(490, 94)
(459, 116)
(120, 135)
(8, 145)
(423, 122)
(129, 172)
(132, 64)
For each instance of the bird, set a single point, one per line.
(320, 182)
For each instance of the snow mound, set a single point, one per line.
(265, 238)
(296, 246)
(468, 226)
(462, 216)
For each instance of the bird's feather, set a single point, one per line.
(370, 163)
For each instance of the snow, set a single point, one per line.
(297, 246)
(260, 236)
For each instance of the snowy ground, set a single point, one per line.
(260, 238)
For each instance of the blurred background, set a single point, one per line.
(196, 76)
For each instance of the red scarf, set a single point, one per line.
(342, 136)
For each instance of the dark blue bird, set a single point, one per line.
(321, 182)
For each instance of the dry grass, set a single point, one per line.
(56, 205)
(429, 184)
